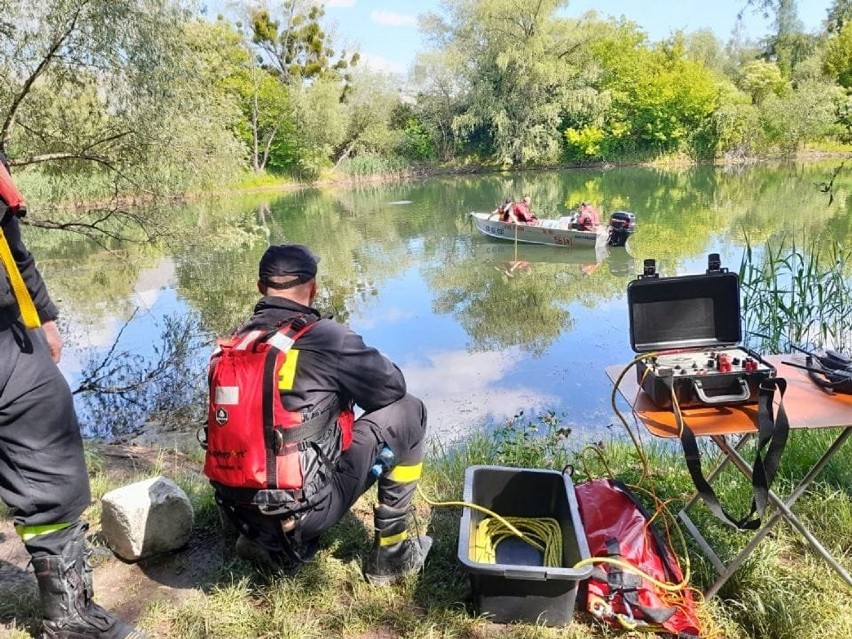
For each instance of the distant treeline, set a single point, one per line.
(147, 97)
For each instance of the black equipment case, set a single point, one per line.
(691, 328)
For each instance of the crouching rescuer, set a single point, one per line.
(284, 454)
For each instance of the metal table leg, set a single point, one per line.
(782, 512)
(684, 517)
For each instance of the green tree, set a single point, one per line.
(296, 45)
(659, 96)
(703, 47)
(321, 125)
(838, 56)
(802, 115)
(785, 46)
(760, 79)
(370, 107)
(839, 15)
(238, 76)
(517, 67)
(302, 125)
(109, 90)
(439, 98)
(737, 124)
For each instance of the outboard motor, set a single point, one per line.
(622, 224)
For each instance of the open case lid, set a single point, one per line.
(687, 311)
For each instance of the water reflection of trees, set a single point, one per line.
(360, 237)
(500, 296)
(90, 281)
(369, 234)
(506, 296)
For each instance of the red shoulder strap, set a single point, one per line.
(9, 192)
(281, 338)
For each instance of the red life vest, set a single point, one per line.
(589, 218)
(10, 193)
(255, 449)
(523, 213)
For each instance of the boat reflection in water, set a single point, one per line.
(509, 259)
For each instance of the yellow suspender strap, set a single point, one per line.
(25, 301)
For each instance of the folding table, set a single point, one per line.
(807, 406)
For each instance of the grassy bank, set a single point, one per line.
(783, 591)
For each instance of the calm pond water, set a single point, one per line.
(481, 329)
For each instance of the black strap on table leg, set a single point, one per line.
(772, 431)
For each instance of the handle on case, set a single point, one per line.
(722, 399)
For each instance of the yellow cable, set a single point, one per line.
(505, 521)
(466, 504)
(543, 533)
(628, 566)
(487, 532)
(645, 473)
(645, 470)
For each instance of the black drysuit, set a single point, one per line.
(334, 363)
(42, 469)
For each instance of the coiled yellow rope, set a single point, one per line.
(542, 533)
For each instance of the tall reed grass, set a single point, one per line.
(367, 164)
(797, 293)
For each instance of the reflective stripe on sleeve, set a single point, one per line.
(287, 372)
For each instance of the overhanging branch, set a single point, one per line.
(28, 83)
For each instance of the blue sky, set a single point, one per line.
(385, 31)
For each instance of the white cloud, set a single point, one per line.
(151, 282)
(392, 19)
(462, 389)
(391, 316)
(378, 63)
(340, 3)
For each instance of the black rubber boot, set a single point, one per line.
(65, 588)
(394, 554)
(275, 561)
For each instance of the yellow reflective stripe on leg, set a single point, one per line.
(405, 474)
(29, 532)
(287, 372)
(393, 539)
(25, 300)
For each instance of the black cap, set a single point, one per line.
(288, 259)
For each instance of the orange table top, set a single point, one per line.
(806, 405)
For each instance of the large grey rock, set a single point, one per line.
(146, 518)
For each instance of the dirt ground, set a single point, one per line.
(122, 587)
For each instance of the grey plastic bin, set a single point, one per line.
(518, 587)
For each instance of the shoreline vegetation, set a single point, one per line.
(104, 118)
(203, 590)
(248, 182)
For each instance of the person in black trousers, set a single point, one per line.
(43, 476)
(330, 369)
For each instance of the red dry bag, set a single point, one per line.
(619, 528)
